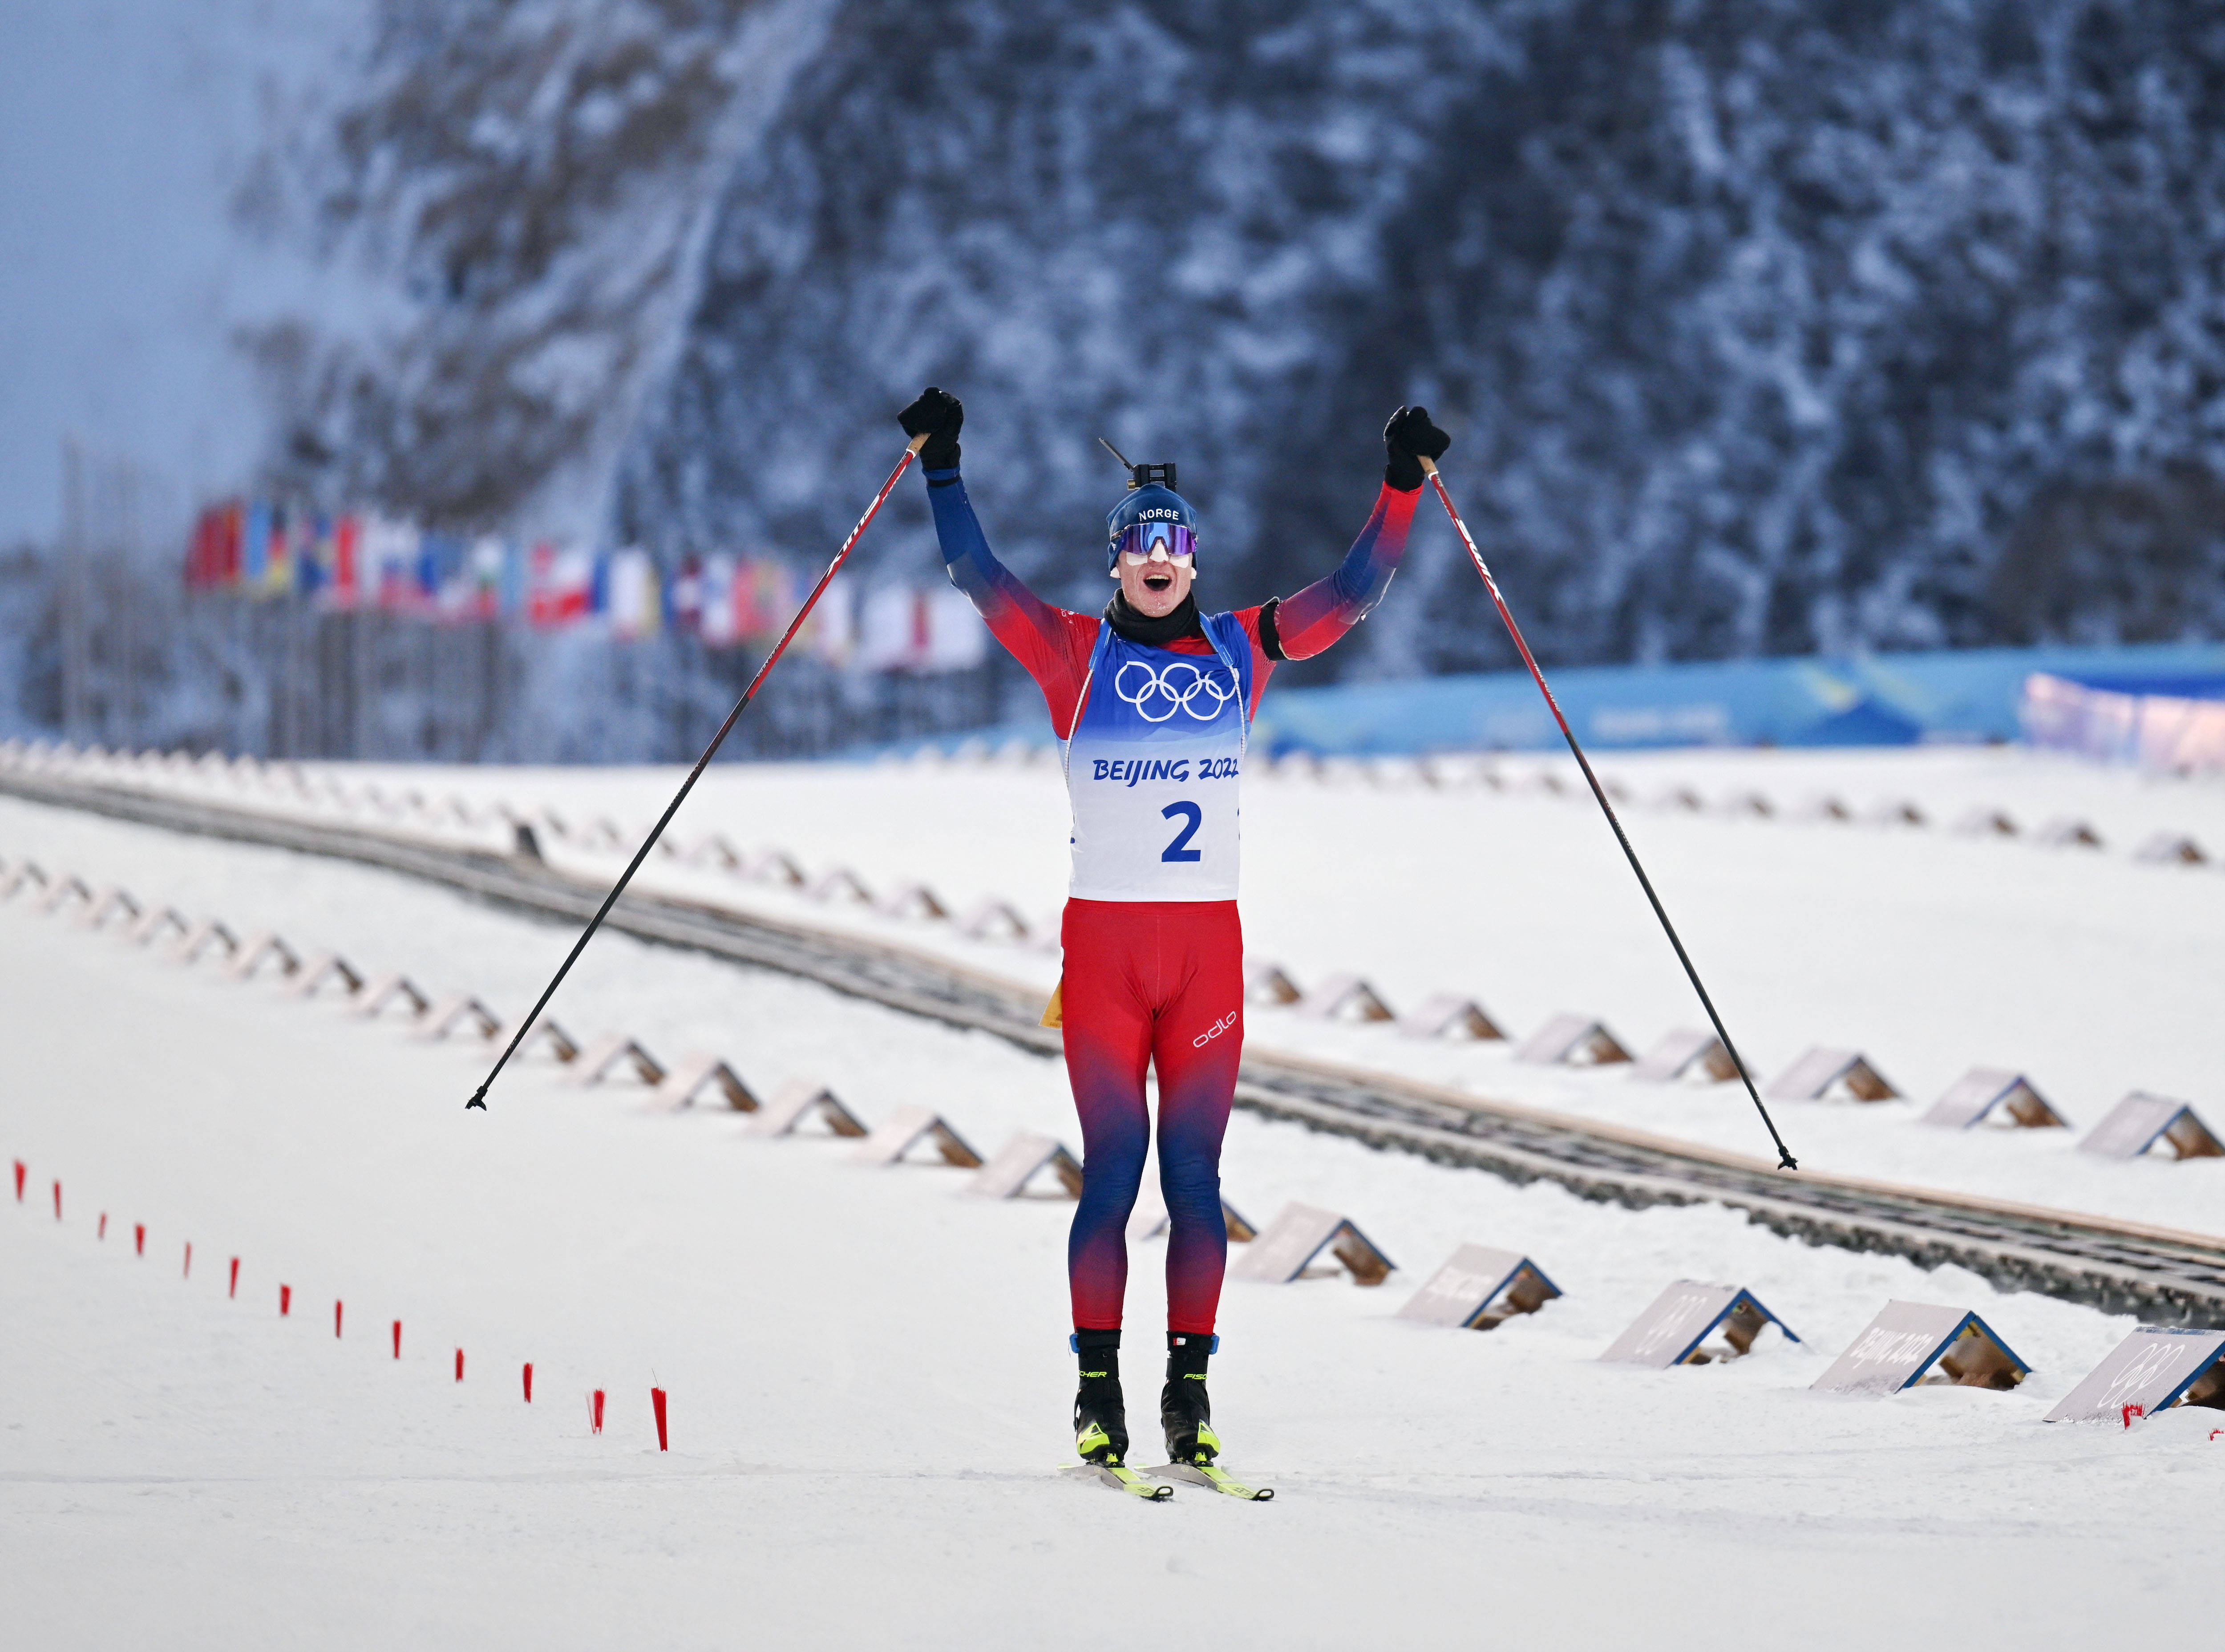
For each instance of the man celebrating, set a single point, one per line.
(1154, 701)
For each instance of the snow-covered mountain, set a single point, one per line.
(1761, 327)
(533, 179)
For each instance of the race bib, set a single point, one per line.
(1152, 767)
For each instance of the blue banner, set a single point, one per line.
(1879, 700)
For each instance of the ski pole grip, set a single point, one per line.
(918, 442)
(1429, 465)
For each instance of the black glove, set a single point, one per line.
(1407, 440)
(936, 415)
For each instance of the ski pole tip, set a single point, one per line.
(478, 1100)
(1785, 1160)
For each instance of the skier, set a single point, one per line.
(1154, 700)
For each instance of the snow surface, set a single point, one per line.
(1930, 952)
(867, 1368)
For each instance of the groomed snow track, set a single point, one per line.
(2160, 1276)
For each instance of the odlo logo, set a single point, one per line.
(1214, 1031)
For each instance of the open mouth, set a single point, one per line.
(1157, 582)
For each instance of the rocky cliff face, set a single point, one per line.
(531, 179)
(1761, 327)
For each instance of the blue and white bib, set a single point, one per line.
(1152, 765)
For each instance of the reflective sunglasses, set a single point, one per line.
(1141, 539)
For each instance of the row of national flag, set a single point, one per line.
(365, 560)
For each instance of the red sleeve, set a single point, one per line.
(1315, 616)
(1054, 645)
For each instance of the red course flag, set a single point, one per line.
(656, 1404)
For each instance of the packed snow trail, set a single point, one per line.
(2166, 1275)
(842, 1470)
(1932, 953)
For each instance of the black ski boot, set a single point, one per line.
(1100, 1418)
(1185, 1411)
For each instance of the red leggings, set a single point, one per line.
(1156, 982)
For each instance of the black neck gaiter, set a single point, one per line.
(1153, 633)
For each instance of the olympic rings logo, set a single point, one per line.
(1161, 693)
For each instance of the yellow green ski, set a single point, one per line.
(1100, 1462)
(1205, 1474)
(1116, 1477)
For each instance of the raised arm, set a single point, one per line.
(1052, 642)
(1306, 624)
(1041, 637)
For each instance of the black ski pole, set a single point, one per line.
(911, 450)
(1784, 1159)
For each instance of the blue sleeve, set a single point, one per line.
(973, 566)
(1052, 643)
(1325, 610)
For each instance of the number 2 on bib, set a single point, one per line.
(1180, 849)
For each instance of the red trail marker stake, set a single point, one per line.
(188, 1273)
(103, 1234)
(58, 1201)
(336, 1319)
(2127, 1413)
(595, 1410)
(529, 1382)
(398, 1339)
(139, 1237)
(459, 1365)
(285, 1300)
(656, 1404)
(235, 1277)
(21, 1171)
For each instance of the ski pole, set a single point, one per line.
(911, 451)
(1784, 1159)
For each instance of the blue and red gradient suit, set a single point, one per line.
(1154, 736)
